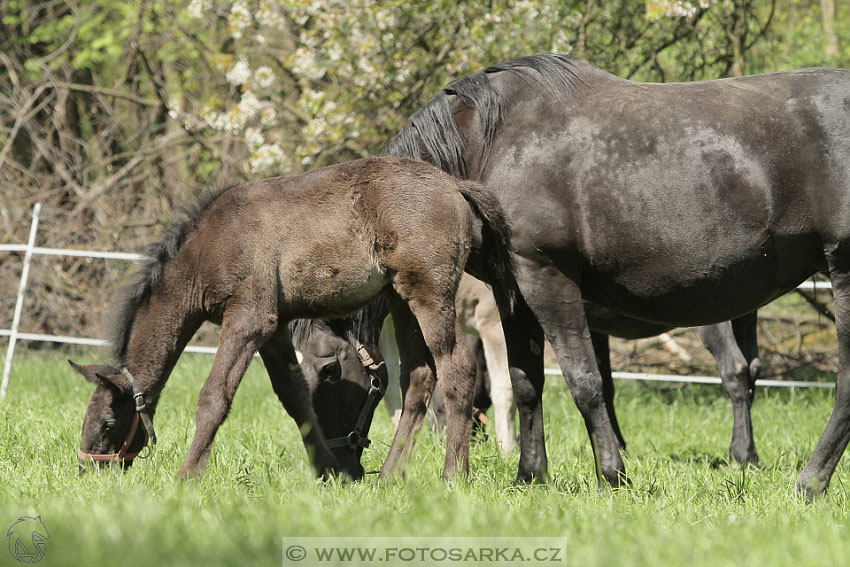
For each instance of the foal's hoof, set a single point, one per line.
(392, 475)
(810, 486)
(189, 473)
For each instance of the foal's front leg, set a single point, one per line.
(241, 336)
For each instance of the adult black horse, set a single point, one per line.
(678, 204)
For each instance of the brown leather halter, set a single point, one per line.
(140, 415)
(358, 438)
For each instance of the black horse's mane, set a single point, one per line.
(149, 275)
(432, 135)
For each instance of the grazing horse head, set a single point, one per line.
(112, 432)
(345, 388)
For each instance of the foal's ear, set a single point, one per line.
(102, 374)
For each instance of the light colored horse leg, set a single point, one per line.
(489, 327)
(389, 349)
(477, 310)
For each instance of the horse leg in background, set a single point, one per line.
(746, 336)
(734, 370)
(291, 388)
(481, 401)
(603, 361)
(815, 476)
(524, 342)
(489, 328)
(556, 300)
(389, 350)
(417, 378)
(243, 331)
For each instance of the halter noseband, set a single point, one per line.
(358, 439)
(142, 415)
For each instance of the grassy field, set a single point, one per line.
(688, 506)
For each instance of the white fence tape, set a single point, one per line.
(30, 249)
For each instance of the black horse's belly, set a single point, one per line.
(681, 294)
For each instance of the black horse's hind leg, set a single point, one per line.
(603, 361)
(524, 341)
(815, 477)
(291, 388)
(735, 367)
(557, 303)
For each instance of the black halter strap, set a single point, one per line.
(141, 406)
(358, 438)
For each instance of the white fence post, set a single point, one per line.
(16, 319)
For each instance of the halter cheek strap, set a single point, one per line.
(358, 438)
(142, 415)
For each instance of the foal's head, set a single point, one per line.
(340, 388)
(112, 432)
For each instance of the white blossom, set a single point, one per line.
(268, 156)
(197, 8)
(240, 18)
(254, 137)
(240, 73)
(264, 76)
(268, 116)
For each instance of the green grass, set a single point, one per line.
(688, 506)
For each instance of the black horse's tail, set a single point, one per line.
(491, 259)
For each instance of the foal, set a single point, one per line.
(322, 244)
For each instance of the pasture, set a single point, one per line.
(687, 506)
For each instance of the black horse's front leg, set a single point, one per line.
(814, 478)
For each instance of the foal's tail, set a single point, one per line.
(491, 259)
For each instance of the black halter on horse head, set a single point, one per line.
(676, 204)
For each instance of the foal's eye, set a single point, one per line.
(109, 425)
(330, 371)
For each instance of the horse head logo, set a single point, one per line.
(28, 539)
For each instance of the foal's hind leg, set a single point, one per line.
(243, 330)
(291, 388)
(815, 477)
(417, 378)
(734, 369)
(446, 353)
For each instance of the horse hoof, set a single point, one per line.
(810, 486)
(614, 478)
(744, 458)
(528, 479)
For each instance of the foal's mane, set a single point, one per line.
(432, 134)
(136, 294)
